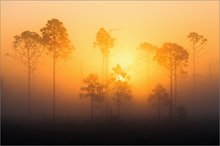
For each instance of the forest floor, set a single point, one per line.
(46, 132)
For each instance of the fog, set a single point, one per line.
(107, 72)
(70, 106)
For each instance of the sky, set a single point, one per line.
(130, 22)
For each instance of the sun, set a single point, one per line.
(120, 78)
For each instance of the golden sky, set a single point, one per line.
(133, 22)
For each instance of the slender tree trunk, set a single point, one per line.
(148, 78)
(171, 91)
(103, 68)
(131, 111)
(147, 68)
(92, 109)
(102, 107)
(29, 88)
(54, 81)
(175, 89)
(105, 78)
(103, 83)
(2, 96)
(194, 82)
(118, 107)
(106, 84)
(29, 92)
(103, 97)
(158, 108)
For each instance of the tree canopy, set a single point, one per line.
(55, 38)
(28, 49)
(104, 41)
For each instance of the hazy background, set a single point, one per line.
(135, 22)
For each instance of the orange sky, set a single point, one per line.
(135, 22)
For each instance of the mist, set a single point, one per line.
(110, 73)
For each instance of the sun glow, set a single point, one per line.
(129, 24)
(120, 78)
(124, 57)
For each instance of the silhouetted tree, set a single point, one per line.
(159, 98)
(148, 49)
(28, 49)
(171, 55)
(197, 44)
(55, 39)
(181, 60)
(93, 90)
(120, 87)
(105, 42)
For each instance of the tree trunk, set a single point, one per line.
(103, 97)
(148, 79)
(106, 84)
(103, 68)
(3, 99)
(92, 109)
(29, 84)
(131, 111)
(102, 107)
(158, 108)
(118, 108)
(171, 91)
(54, 79)
(105, 81)
(175, 89)
(194, 82)
(29, 92)
(147, 68)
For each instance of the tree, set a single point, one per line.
(55, 39)
(171, 56)
(197, 44)
(120, 87)
(93, 90)
(181, 60)
(105, 42)
(148, 49)
(28, 49)
(159, 98)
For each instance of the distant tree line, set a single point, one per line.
(115, 87)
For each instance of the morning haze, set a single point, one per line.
(108, 62)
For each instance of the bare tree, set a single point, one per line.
(28, 49)
(170, 56)
(159, 98)
(93, 90)
(105, 42)
(55, 39)
(197, 44)
(120, 87)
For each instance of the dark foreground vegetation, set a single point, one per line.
(203, 131)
